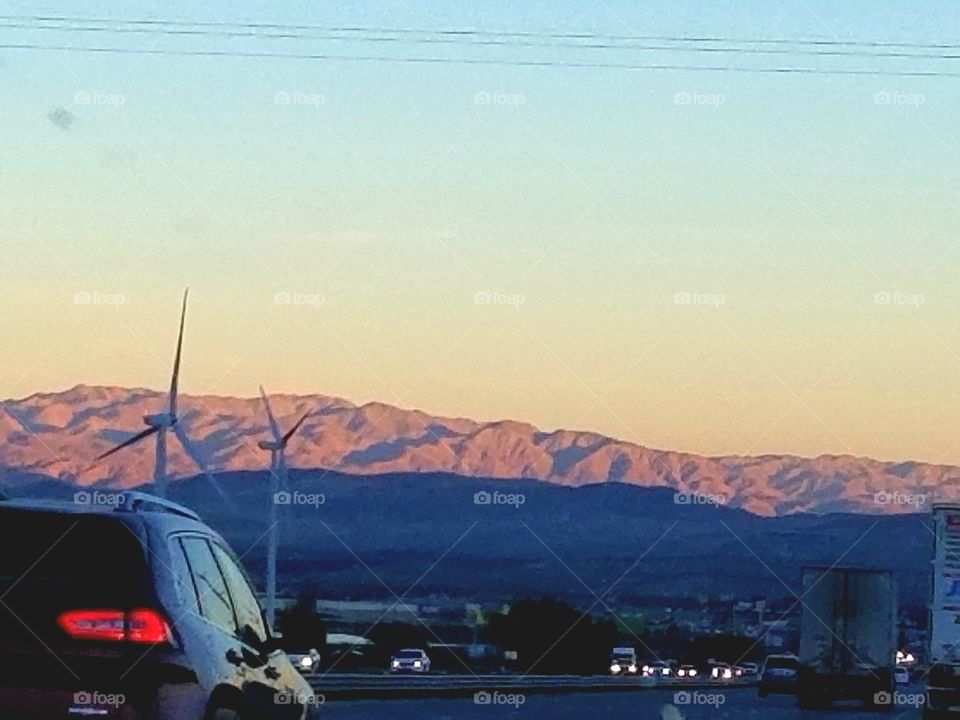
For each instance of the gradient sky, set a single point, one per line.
(396, 197)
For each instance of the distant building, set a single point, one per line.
(367, 611)
(344, 640)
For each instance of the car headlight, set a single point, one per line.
(681, 673)
(665, 671)
(417, 663)
(693, 673)
(615, 668)
(727, 674)
(395, 663)
(306, 662)
(632, 668)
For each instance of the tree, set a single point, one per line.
(724, 648)
(550, 637)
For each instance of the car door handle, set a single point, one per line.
(234, 658)
(271, 672)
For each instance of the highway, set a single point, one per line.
(369, 685)
(736, 704)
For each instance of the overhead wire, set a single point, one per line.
(403, 36)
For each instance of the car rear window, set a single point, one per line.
(51, 562)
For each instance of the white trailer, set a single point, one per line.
(848, 637)
(943, 678)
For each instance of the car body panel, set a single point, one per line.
(167, 681)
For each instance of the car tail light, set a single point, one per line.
(136, 626)
(147, 626)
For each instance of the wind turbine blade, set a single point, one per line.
(187, 444)
(274, 428)
(175, 380)
(293, 430)
(130, 441)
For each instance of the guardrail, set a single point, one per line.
(348, 685)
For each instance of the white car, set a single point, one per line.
(722, 671)
(306, 661)
(412, 660)
(657, 670)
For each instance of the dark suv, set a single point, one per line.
(136, 611)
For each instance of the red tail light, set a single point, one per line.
(137, 626)
(147, 626)
(106, 625)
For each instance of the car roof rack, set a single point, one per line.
(134, 501)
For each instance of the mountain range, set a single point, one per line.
(59, 435)
(426, 535)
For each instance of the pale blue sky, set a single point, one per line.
(395, 196)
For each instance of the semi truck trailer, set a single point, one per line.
(943, 679)
(848, 636)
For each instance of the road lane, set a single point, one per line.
(740, 704)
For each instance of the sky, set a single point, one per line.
(723, 262)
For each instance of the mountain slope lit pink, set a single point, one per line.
(60, 434)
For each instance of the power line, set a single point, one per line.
(482, 61)
(503, 42)
(471, 32)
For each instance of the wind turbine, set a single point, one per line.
(278, 480)
(160, 424)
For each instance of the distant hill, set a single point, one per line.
(426, 534)
(59, 435)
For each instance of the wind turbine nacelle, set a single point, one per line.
(271, 445)
(159, 420)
